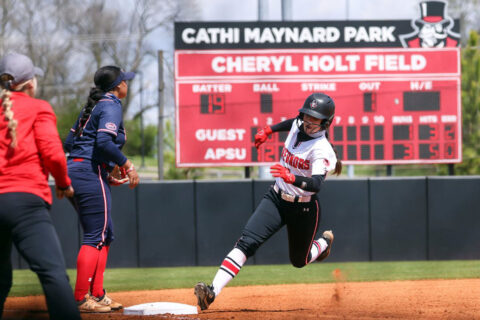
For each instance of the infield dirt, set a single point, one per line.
(420, 299)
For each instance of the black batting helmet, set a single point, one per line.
(320, 106)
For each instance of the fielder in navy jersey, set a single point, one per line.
(95, 144)
(305, 161)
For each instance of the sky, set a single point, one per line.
(300, 10)
(228, 10)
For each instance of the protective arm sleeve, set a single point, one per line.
(312, 184)
(49, 145)
(283, 126)
(109, 149)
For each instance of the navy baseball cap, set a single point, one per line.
(123, 76)
(19, 66)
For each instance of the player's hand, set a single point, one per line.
(262, 136)
(116, 182)
(64, 192)
(117, 176)
(279, 171)
(131, 174)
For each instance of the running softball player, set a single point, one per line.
(305, 161)
(95, 143)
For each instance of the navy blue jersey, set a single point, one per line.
(103, 135)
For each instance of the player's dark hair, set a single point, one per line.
(338, 165)
(103, 79)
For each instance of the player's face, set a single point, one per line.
(122, 90)
(311, 125)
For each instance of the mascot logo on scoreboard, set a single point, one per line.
(433, 29)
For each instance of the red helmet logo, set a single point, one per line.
(313, 104)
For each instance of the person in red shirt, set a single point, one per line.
(30, 150)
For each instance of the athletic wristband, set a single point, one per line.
(63, 189)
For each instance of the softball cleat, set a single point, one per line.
(205, 295)
(107, 301)
(89, 304)
(328, 237)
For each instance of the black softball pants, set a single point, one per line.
(25, 221)
(301, 219)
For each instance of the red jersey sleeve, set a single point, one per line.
(49, 145)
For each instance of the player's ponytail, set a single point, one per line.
(5, 83)
(103, 79)
(338, 165)
(95, 95)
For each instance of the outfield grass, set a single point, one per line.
(26, 283)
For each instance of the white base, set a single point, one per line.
(160, 308)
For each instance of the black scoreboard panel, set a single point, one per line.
(421, 101)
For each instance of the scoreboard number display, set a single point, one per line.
(393, 106)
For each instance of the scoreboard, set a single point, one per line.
(393, 106)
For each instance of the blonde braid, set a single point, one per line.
(7, 111)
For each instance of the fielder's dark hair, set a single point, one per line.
(103, 79)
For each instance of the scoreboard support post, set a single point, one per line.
(389, 170)
(247, 172)
(451, 169)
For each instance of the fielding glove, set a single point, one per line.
(117, 176)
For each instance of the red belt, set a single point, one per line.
(103, 165)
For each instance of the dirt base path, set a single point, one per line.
(424, 299)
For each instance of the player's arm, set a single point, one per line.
(263, 134)
(283, 126)
(68, 144)
(108, 126)
(50, 149)
(312, 184)
(107, 147)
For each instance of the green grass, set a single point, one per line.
(26, 283)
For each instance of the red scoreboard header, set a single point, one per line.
(393, 106)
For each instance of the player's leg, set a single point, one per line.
(5, 262)
(264, 222)
(321, 247)
(92, 205)
(97, 289)
(96, 285)
(302, 223)
(37, 242)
